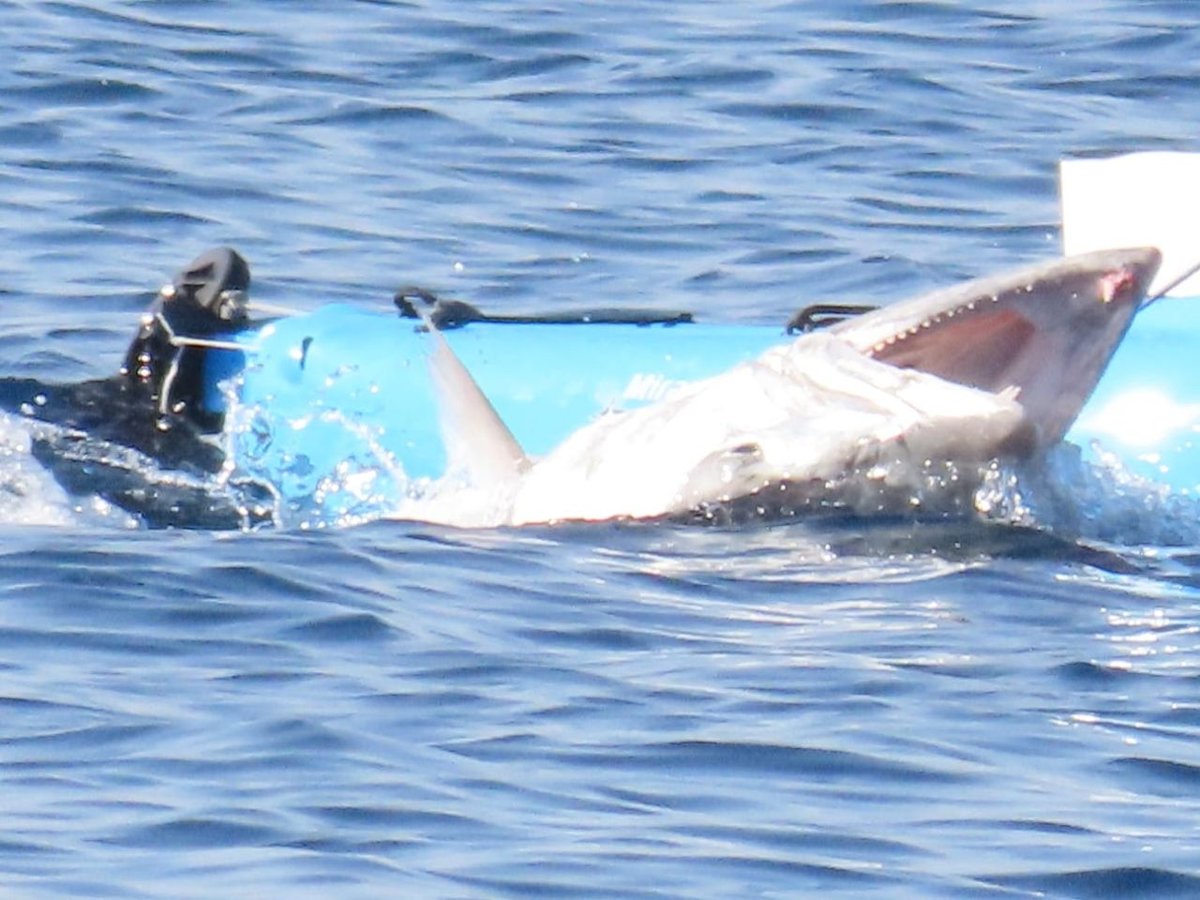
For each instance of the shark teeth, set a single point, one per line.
(925, 324)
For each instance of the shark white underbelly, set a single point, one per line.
(798, 418)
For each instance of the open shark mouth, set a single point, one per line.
(1043, 334)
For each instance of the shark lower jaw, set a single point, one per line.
(1043, 334)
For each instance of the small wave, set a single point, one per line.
(69, 92)
(1091, 676)
(364, 114)
(196, 833)
(1123, 881)
(1160, 776)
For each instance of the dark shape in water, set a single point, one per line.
(140, 439)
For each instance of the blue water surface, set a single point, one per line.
(394, 710)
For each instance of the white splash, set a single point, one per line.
(29, 495)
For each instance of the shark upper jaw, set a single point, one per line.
(1044, 334)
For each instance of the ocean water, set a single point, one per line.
(855, 709)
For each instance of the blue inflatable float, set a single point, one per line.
(308, 395)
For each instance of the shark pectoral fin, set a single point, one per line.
(724, 475)
(476, 439)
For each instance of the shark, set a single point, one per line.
(895, 411)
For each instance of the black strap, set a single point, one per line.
(447, 314)
(455, 313)
(822, 315)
